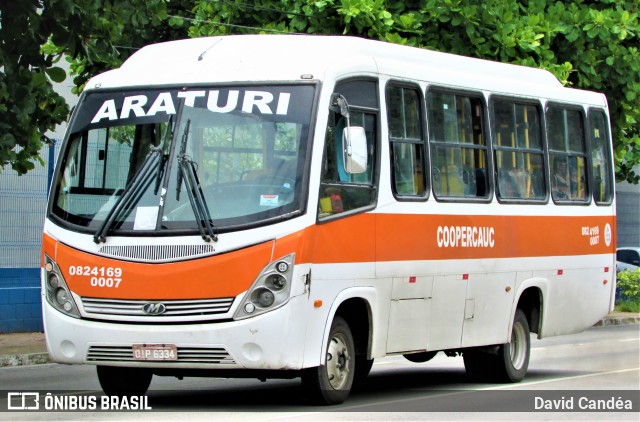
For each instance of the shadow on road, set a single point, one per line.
(382, 386)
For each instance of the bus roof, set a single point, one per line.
(254, 58)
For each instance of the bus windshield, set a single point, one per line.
(193, 160)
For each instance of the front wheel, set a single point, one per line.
(331, 382)
(117, 381)
(509, 362)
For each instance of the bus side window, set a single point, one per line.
(458, 147)
(600, 157)
(568, 155)
(519, 156)
(406, 135)
(341, 191)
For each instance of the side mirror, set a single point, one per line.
(354, 146)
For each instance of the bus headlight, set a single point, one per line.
(263, 297)
(57, 292)
(270, 291)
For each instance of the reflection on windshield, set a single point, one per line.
(239, 167)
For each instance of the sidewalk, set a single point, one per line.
(30, 348)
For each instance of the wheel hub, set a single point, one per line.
(338, 362)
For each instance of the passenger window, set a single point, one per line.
(519, 156)
(600, 157)
(567, 151)
(406, 136)
(341, 191)
(458, 147)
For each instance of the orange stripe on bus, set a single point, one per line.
(224, 275)
(400, 237)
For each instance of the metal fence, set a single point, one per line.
(23, 201)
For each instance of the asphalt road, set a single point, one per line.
(568, 372)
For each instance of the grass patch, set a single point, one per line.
(628, 306)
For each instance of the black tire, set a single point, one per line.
(509, 362)
(476, 363)
(514, 356)
(420, 357)
(331, 383)
(117, 381)
(363, 367)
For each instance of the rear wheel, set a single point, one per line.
(509, 362)
(117, 381)
(331, 383)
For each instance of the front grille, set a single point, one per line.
(186, 354)
(157, 253)
(189, 309)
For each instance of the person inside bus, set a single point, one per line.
(560, 179)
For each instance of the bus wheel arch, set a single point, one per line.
(531, 302)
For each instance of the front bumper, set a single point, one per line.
(271, 341)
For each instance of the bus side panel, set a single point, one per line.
(489, 301)
(577, 298)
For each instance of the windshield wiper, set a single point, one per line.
(164, 158)
(132, 192)
(187, 172)
(154, 163)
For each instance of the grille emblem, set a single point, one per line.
(154, 308)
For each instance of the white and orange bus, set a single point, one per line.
(297, 206)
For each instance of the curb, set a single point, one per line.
(617, 321)
(26, 359)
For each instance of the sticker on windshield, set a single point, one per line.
(268, 200)
(146, 218)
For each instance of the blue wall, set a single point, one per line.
(23, 201)
(20, 300)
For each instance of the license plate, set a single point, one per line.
(155, 352)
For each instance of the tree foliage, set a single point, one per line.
(36, 34)
(587, 44)
(628, 284)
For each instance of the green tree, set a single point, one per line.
(95, 35)
(28, 105)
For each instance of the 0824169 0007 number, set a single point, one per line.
(99, 276)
